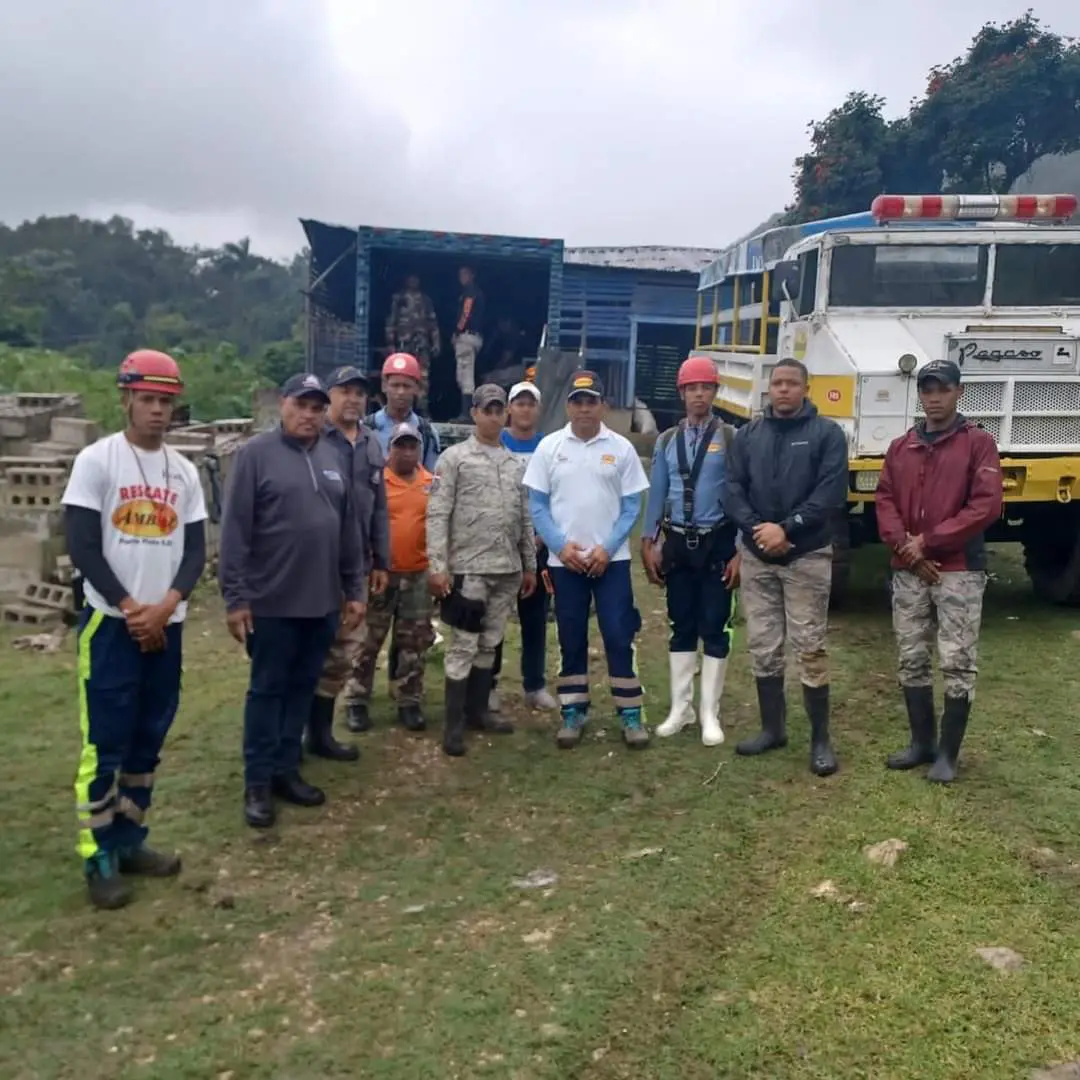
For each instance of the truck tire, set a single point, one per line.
(841, 565)
(1052, 554)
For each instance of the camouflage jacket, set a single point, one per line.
(478, 514)
(412, 322)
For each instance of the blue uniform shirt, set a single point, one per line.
(384, 426)
(666, 485)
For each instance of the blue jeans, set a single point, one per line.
(619, 621)
(287, 657)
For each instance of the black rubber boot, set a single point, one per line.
(411, 718)
(454, 724)
(773, 706)
(106, 888)
(293, 788)
(954, 721)
(477, 714)
(466, 410)
(259, 810)
(923, 723)
(148, 862)
(822, 758)
(320, 740)
(356, 716)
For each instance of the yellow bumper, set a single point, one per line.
(1037, 480)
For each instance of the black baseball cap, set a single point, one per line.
(943, 371)
(302, 385)
(587, 383)
(346, 374)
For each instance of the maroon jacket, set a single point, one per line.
(947, 490)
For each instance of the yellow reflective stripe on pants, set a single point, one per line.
(88, 759)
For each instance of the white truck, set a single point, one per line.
(991, 282)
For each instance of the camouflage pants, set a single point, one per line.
(957, 603)
(466, 348)
(340, 661)
(467, 650)
(787, 604)
(406, 607)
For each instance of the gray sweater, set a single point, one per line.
(290, 540)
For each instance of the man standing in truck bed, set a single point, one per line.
(468, 337)
(940, 490)
(413, 328)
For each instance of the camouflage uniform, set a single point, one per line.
(406, 606)
(341, 660)
(413, 328)
(957, 602)
(787, 602)
(479, 528)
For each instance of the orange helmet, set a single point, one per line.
(402, 363)
(530, 373)
(148, 369)
(698, 369)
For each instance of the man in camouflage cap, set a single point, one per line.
(482, 556)
(940, 490)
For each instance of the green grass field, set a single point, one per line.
(383, 935)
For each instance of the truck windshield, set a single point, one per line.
(1037, 275)
(908, 275)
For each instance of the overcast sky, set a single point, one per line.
(598, 121)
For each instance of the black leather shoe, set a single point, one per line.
(258, 806)
(293, 788)
(411, 718)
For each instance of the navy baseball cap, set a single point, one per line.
(586, 383)
(943, 371)
(346, 374)
(302, 385)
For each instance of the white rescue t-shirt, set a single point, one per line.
(586, 482)
(142, 520)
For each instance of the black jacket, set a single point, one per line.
(792, 471)
(364, 463)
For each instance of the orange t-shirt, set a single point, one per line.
(406, 503)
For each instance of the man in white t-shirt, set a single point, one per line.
(585, 484)
(135, 517)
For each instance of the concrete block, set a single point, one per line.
(19, 614)
(45, 594)
(73, 431)
(64, 570)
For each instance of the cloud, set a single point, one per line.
(615, 121)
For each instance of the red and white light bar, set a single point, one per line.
(973, 207)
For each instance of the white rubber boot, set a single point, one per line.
(683, 665)
(712, 689)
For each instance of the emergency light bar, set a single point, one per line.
(973, 207)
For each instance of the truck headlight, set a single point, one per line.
(907, 363)
(866, 480)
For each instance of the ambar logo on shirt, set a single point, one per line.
(145, 519)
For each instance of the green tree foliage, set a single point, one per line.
(218, 383)
(104, 288)
(981, 123)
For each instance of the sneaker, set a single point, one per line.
(540, 699)
(107, 889)
(148, 862)
(634, 732)
(573, 727)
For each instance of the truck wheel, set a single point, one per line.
(841, 564)
(1052, 555)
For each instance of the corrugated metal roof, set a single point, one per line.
(690, 260)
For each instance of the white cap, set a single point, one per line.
(524, 388)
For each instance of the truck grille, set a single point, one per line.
(1024, 414)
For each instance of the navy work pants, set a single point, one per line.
(533, 617)
(699, 607)
(287, 657)
(619, 621)
(127, 703)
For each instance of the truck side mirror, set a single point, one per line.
(784, 282)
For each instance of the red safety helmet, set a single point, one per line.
(402, 363)
(148, 369)
(698, 369)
